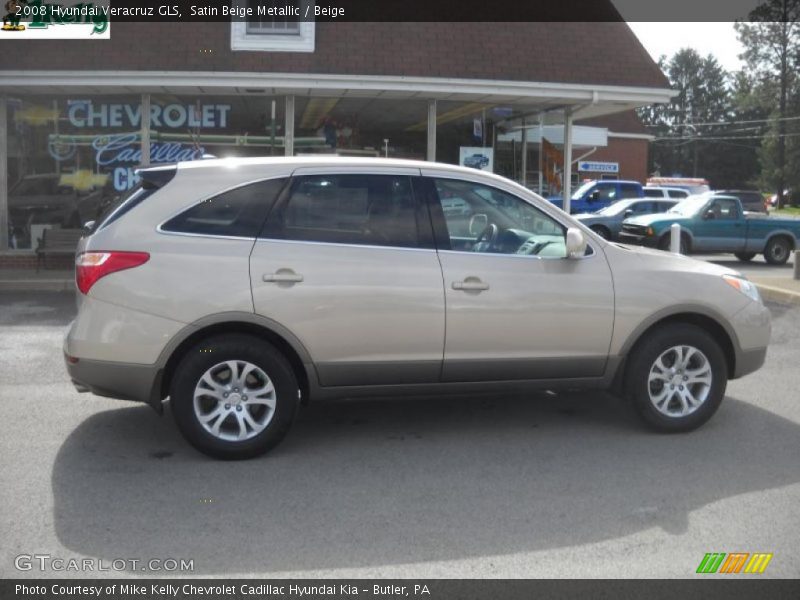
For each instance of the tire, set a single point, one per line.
(657, 404)
(745, 256)
(245, 427)
(602, 231)
(777, 251)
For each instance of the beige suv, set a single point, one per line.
(240, 288)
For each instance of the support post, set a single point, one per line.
(567, 171)
(145, 136)
(145, 130)
(675, 238)
(3, 175)
(541, 154)
(431, 152)
(796, 272)
(288, 128)
(524, 154)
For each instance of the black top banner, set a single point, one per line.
(388, 10)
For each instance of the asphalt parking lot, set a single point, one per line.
(516, 486)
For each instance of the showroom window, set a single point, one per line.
(375, 210)
(278, 32)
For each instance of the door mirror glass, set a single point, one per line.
(628, 213)
(576, 243)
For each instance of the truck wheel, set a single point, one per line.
(745, 256)
(234, 396)
(676, 378)
(777, 251)
(602, 231)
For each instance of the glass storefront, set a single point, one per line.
(69, 157)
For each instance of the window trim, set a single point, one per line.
(241, 40)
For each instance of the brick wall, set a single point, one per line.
(631, 154)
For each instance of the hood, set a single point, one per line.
(657, 219)
(687, 262)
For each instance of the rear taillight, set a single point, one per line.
(91, 266)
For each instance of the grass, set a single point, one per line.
(793, 211)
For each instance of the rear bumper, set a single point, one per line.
(123, 381)
(639, 240)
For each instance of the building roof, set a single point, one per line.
(598, 53)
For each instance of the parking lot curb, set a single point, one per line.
(776, 294)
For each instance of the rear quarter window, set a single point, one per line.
(239, 212)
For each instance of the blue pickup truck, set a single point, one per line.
(716, 223)
(594, 195)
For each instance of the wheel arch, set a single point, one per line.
(703, 318)
(248, 324)
(784, 233)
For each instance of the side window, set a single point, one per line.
(678, 194)
(642, 208)
(239, 212)
(653, 193)
(375, 210)
(663, 206)
(607, 192)
(629, 190)
(724, 208)
(480, 218)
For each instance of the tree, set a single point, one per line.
(771, 39)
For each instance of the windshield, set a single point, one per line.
(616, 208)
(689, 207)
(582, 190)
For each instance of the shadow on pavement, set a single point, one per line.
(370, 483)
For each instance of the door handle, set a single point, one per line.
(283, 276)
(470, 284)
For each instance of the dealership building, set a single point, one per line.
(546, 104)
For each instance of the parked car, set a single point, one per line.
(666, 192)
(693, 185)
(594, 195)
(607, 222)
(241, 288)
(752, 200)
(476, 161)
(715, 223)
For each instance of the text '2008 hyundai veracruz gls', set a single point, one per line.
(240, 288)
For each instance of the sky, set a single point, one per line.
(718, 39)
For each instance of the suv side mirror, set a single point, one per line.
(576, 243)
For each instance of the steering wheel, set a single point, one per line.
(487, 238)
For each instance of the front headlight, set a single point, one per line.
(748, 288)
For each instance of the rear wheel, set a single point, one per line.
(777, 251)
(602, 231)
(676, 378)
(745, 256)
(234, 396)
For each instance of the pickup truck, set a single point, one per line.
(594, 195)
(716, 223)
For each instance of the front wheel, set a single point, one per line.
(665, 244)
(676, 378)
(602, 231)
(745, 256)
(777, 251)
(234, 396)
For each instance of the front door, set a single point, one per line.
(346, 262)
(720, 227)
(516, 307)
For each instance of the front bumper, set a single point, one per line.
(626, 237)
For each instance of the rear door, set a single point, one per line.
(346, 262)
(516, 308)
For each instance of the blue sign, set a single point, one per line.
(590, 166)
